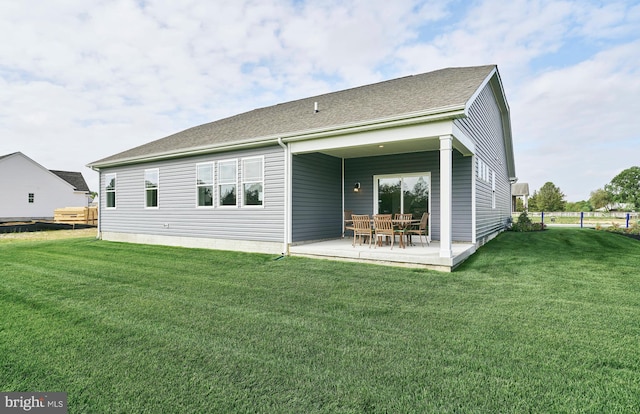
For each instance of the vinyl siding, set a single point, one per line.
(484, 126)
(177, 214)
(317, 197)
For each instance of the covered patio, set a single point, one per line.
(414, 256)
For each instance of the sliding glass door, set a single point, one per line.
(402, 193)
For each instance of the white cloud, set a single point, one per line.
(85, 79)
(578, 121)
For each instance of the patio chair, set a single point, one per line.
(403, 217)
(422, 229)
(384, 228)
(348, 221)
(403, 223)
(361, 227)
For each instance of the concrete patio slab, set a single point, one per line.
(415, 256)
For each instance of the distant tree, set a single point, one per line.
(578, 206)
(601, 198)
(625, 187)
(532, 203)
(549, 198)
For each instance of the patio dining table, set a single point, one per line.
(404, 225)
(400, 224)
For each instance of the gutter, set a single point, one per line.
(99, 235)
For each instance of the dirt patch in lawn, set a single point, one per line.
(49, 234)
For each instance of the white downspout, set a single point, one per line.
(100, 194)
(287, 197)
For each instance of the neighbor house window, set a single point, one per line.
(227, 182)
(31, 197)
(252, 181)
(151, 179)
(204, 184)
(110, 190)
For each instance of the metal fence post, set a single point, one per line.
(628, 216)
(581, 218)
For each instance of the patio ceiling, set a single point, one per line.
(385, 148)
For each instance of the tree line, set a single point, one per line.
(623, 190)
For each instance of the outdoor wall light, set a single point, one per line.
(356, 188)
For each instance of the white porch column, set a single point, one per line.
(446, 195)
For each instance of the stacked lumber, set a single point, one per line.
(76, 215)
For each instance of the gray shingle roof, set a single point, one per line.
(74, 178)
(520, 189)
(444, 89)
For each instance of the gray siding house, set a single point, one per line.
(282, 176)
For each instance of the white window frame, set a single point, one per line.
(157, 188)
(107, 179)
(221, 181)
(212, 185)
(252, 181)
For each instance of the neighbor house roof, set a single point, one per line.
(7, 155)
(520, 189)
(445, 91)
(74, 178)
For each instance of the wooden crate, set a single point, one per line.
(76, 215)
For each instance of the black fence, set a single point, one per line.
(39, 226)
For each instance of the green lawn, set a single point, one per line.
(533, 322)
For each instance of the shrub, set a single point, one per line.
(524, 224)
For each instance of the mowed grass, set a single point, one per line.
(533, 322)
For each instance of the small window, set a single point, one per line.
(110, 190)
(227, 182)
(31, 197)
(252, 181)
(151, 179)
(204, 184)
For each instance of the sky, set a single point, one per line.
(81, 80)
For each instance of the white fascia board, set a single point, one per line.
(462, 142)
(378, 136)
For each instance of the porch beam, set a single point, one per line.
(446, 195)
(462, 142)
(372, 137)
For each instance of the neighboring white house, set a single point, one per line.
(520, 190)
(276, 178)
(29, 191)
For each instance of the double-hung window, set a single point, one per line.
(227, 182)
(252, 181)
(151, 181)
(110, 190)
(31, 198)
(204, 184)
